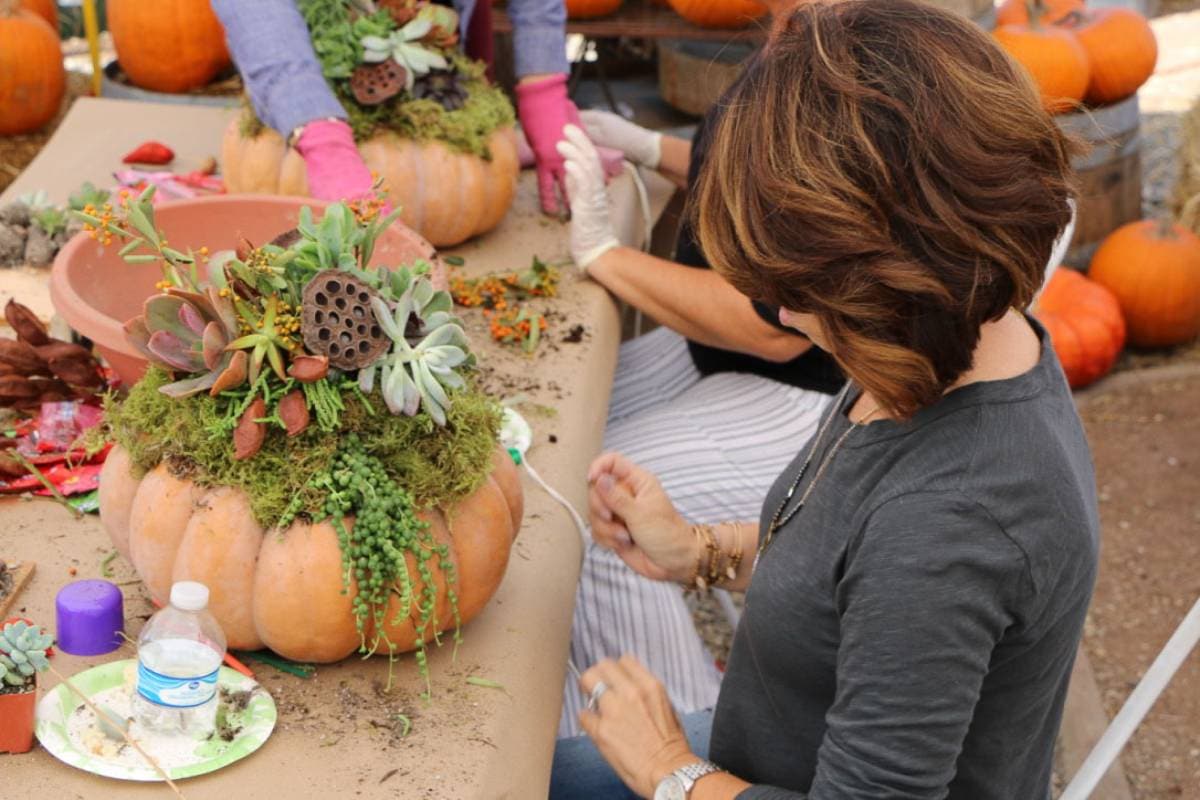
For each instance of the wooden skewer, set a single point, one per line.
(101, 715)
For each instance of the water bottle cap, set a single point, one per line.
(189, 596)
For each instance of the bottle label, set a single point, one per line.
(165, 690)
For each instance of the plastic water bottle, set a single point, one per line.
(180, 652)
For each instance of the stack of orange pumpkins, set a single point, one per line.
(1078, 55)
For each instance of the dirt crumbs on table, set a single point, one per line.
(1145, 442)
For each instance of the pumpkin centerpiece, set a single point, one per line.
(428, 123)
(32, 79)
(168, 45)
(306, 442)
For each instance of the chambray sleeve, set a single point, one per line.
(539, 36)
(927, 594)
(270, 44)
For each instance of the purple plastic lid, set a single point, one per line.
(90, 616)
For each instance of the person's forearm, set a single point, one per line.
(674, 159)
(270, 44)
(696, 303)
(539, 36)
(718, 786)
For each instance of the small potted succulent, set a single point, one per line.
(22, 656)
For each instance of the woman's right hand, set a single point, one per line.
(632, 515)
(605, 129)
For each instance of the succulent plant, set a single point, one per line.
(22, 653)
(190, 332)
(443, 86)
(405, 48)
(420, 375)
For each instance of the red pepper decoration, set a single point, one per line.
(150, 153)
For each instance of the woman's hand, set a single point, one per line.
(592, 233)
(633, 724)
(638, 144)
(335, 169)
(632, 515)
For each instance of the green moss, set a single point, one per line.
(436, 465)
(466, 130)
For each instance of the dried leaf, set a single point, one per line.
(28, 327)
(293, 410)
(249, 435)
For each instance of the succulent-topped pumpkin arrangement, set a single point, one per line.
(314, 416)
(428, 122)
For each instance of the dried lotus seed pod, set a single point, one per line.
(338, 321)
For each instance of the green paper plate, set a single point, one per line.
(55, 710)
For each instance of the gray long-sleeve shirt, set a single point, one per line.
(270, 44)
(911, 631)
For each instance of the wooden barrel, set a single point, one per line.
(692, 75)
(1109, 174)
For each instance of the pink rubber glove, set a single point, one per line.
(545, 110)
(612, 160)
(335, 169)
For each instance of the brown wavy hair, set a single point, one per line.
(885, 167)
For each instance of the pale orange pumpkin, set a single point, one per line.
(283, 589)
(167, 45)
(1054, 59)
(46, 9)
(1085, 325)
(1121, 49)
(32, 79)
(719, 13)
(1016, 12)
(444, 195)
(590, 9)
(1153, 267)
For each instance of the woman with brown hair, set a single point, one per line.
(921, 571)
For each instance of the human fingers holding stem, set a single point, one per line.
(632, 515)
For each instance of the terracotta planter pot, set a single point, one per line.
(16, 721)
(96, 291)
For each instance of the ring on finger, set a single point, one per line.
(594, 698)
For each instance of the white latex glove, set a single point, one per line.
(640, 145)
(592, 233)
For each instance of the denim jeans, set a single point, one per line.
(581, 773)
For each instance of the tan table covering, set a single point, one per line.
(338, 735)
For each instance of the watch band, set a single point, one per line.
(693, 772)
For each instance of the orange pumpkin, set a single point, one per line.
(1121, 48)
(1054, 59)
(167, 45)
(282, 589)
(1153, 268)
(46, 9)
(446, 196)
(590, 9)
(32, 79)
(1085, 325)
(719, 13)
(1016, 12)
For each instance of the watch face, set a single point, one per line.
(670, 788)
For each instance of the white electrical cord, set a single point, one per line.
(647, 227)
(1181, 643)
